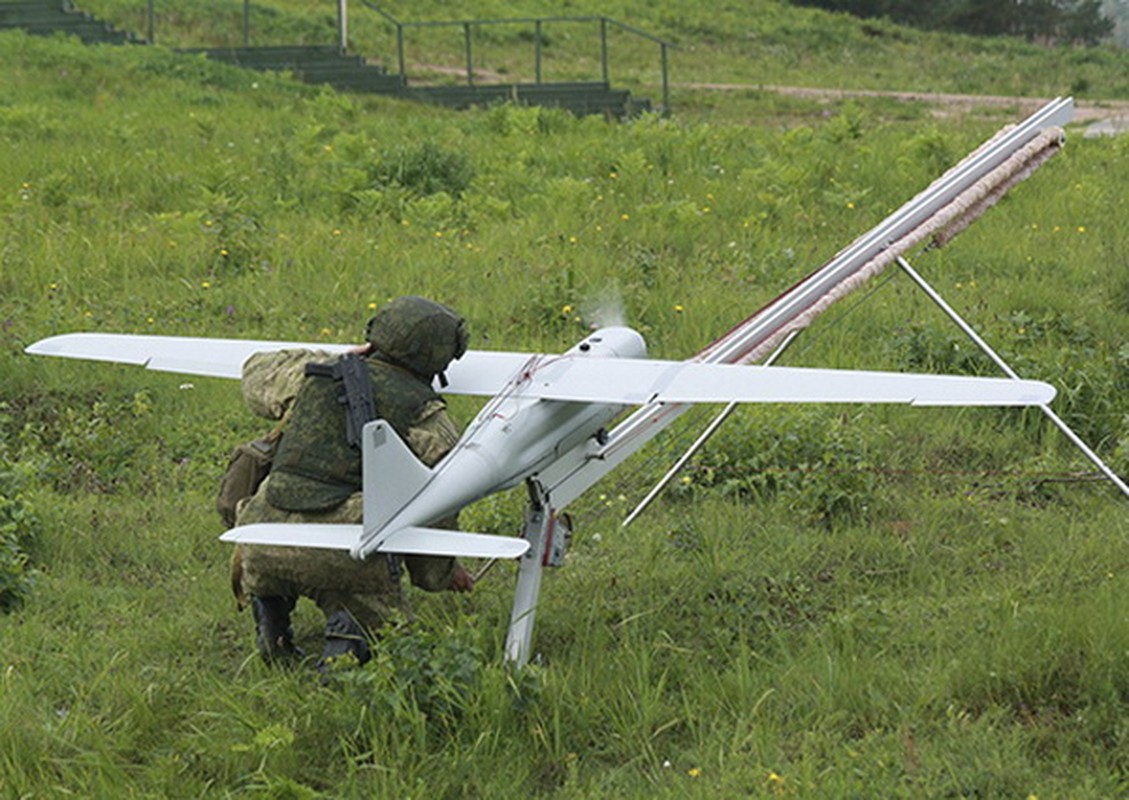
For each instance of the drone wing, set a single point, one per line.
(219, 358)
(478, 372)
(405, 541)
(638, 381)
(631, 381)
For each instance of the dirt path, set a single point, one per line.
(1084, 111)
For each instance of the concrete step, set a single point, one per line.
(47, 17)
(33, 4)
(579, 98)
(314, 64)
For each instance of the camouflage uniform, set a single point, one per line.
(275, 385)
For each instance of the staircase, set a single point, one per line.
(313, 64)
(46, 17)
(327, 64)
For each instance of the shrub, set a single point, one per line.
(427, 169)
(19, 528)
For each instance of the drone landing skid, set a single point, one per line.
(548, 535)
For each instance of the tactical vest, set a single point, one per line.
(315, 468)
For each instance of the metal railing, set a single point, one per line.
(469, 25)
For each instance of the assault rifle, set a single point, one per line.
(355, 395)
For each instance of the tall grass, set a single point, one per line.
(830, 602)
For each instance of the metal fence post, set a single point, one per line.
(537, 50)
(666, 81)
(400, 50)
(342, 25)
(469, 55)
(604, 49)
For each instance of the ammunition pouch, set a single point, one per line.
(247, 467)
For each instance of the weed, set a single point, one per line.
(19, 530)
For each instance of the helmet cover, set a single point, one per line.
(418, 334)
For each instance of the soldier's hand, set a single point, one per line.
(461, 581)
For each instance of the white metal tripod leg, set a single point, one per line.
(538, 529)
(968, 330)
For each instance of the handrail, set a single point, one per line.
(468, 24)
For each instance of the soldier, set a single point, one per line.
(316, 478)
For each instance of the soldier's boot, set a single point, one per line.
(343, 638)
(273, 635)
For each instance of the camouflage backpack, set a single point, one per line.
(247, 467)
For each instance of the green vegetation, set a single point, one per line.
(848, 602)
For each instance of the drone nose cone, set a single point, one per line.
(614, 342)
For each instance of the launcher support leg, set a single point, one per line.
(1003, 365)
(710, 430)
(547, 539)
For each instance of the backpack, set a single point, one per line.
(247, 466)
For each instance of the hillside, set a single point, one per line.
(830, 602)
(750, 43)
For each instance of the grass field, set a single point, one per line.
(848, 602)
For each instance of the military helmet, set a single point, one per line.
(418, 334)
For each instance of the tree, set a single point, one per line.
(1044, 20)
(1086, 22)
